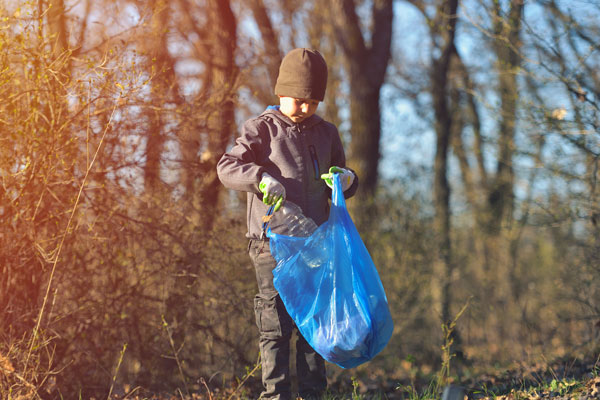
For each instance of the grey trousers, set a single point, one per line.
(275, 327)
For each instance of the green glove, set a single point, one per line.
(346, 177)
(272, 190)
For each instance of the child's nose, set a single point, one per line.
(304, 107)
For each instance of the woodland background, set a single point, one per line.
(472, 125)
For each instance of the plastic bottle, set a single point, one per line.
(292, 222)
(315, 253)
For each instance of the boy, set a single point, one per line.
(281, 154)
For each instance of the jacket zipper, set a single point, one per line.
(315, 160)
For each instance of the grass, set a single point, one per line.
(573, 382)
(554, 388)
(436, 385)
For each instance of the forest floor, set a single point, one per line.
(562, 379)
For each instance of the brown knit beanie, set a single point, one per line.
(303, 75)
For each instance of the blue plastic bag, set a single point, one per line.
(331, 288)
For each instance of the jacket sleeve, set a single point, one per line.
(338, 159)
(238, 169)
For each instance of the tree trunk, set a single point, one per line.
(57, 27)
(507, 45)
(445, 17)
(221, 122)
(272, 57)
(163, 65)
(366, 67)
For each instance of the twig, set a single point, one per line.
(248, 375)
(10, 371)
(175, 353)
(135, 389)
(112, 384)
(66, 231)
(202, 381)
(448, 328)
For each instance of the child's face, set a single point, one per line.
(297, 109)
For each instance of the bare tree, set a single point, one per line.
(366, 66)
(507, 45)
(442, 27)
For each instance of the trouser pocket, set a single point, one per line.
(264, 263)
(267, 315)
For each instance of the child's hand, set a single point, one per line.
(346, 177)
(273, 191)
